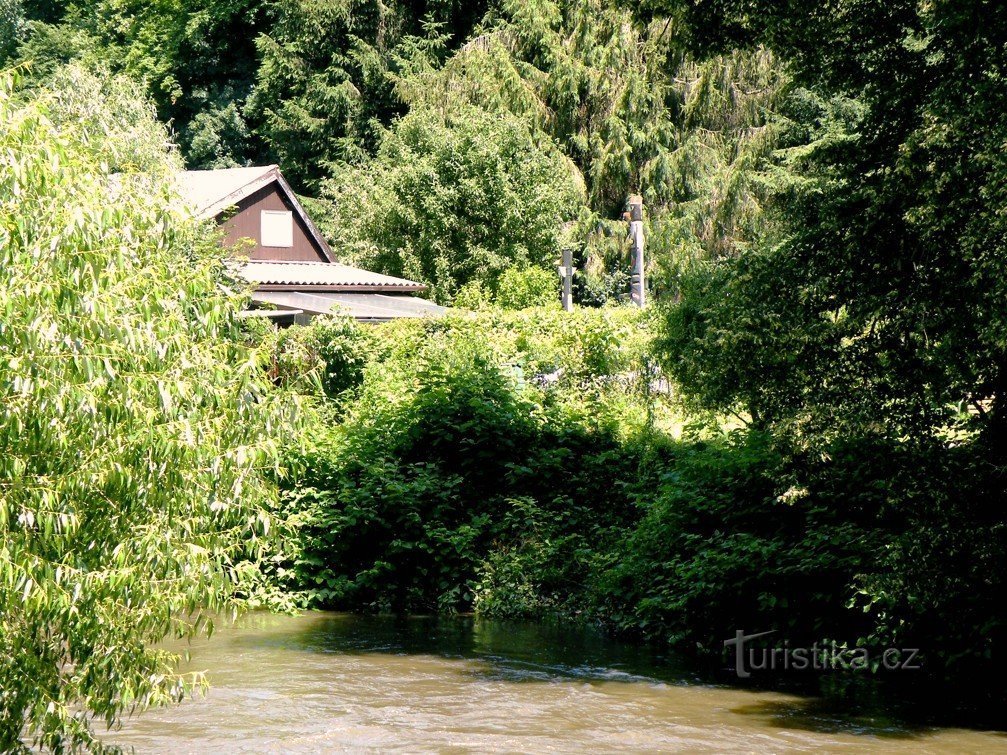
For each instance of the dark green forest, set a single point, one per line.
(806, 431)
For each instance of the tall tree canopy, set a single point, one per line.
(198, 60)
(324, 87)
(885, 302)
(631, 112)
(131, 424)
(456, 198)
(315, 85)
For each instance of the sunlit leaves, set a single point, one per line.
(131, 425)
(453, 198)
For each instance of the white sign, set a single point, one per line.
(277, 228)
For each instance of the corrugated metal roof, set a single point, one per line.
(329, 275)
(373, 307)
(209, 192)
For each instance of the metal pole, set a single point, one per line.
(567, 274)
(638, 283)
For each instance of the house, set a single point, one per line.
(295, 274)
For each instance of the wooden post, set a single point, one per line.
(567, 272)
(638, 283)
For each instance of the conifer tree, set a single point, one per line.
(632, 112)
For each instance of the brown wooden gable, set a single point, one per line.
(243, 222)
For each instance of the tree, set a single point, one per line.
(197, 60)
(892, 270)
(11, 25)
(633, 113)
(872, 334)
(324, 87)
(132, 425)
(455, 198)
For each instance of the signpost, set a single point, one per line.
(638, 283)
(566, 273)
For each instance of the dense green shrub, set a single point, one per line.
(938, 583)
(520, 288)
(453, 450)
(11, 26)
(729, 542)
(328, 357)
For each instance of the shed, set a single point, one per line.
(289, 261)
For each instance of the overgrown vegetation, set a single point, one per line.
(494, 433)
(806, 434)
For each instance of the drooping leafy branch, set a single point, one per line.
(132, 425)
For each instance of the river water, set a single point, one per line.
(324, 682)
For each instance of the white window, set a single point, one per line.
(277, 228)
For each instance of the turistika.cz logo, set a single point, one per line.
(827, 656)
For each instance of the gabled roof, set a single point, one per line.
(210, 192)
(328, 276)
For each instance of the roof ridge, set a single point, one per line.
(297, 262)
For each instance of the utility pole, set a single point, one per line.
(638, 283)
(566, 273)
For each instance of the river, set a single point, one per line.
(324, 682)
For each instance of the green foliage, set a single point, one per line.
(824, 191)
(530, 287)
(939, 582)
(114, 118)
(44, 48)
(455, 458)
(876, 317)
(891, 272)
(12, 23)
(196, 60)
(315, 85)
(216, 136)
(473, 295)
(633, 114)
(724, 544)
(330, 355)
(324, 85)
(132, 425)
(454, 198)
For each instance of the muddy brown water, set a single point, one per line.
(324, 682)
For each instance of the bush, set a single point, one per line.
(728, 543)
(528, 287)
(453, 199)
(939, 581)
(327, 358)
(518, 464)
(453, 457)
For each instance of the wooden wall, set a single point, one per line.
(244, 224)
